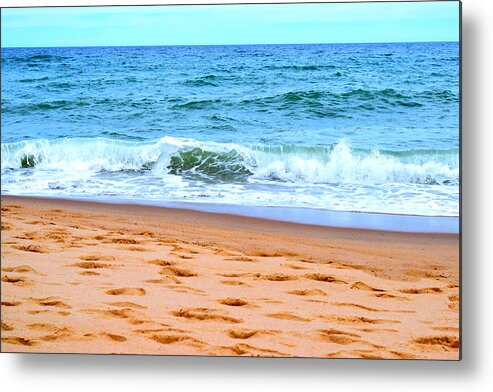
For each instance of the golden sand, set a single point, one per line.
(98, 278)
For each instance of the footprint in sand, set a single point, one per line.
(446, 329)
(240, 275)
(233, 302)
(172, 339)
(273, 254)
(19, 341)
(357, 320)
(114, 337)
(6, 326)
(127, 291)
(119, 313)
(144, 233)
(91, 265)
(242, 334)
(162, 263)
(6, 226)
(307, 292)
(55, 236)
(246, 349)
(30, 235)
(390, 296)
(377, 330)
(241, 258)
(444, 342)
(165, 280)
(454, 303)
(16, 280)
(339, 337)
(135, 248)
(204, 314)
(129, 315)
(50, 301)
(127, 305)
(401, 355)
(224, 252)
(156, 330)
(324, 278)
(365, 287)
(96, 258)
(10, 303)
(427, 290)
(89, 273)
(287, 316)
(279, 277)
(37, 222)
(175, 271)
(234, 283)
(37, 311)
(124, 241)
(31, 248)
(21, 269)
(55, 333)
(179, 248)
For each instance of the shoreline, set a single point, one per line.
(297, 215)
(107, 278)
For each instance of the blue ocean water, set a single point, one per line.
(350, 127)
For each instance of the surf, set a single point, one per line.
(332, 164)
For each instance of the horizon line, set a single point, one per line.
(241, 44)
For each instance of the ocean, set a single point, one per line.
(337, 127)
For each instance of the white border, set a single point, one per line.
(148, 374)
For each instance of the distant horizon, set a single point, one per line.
(186, 45)
(231, 24)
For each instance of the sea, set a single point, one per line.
(336, 127)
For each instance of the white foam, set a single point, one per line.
(333, 178)
(330, 165)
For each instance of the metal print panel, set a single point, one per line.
(275, 180)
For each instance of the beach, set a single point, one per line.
(88, 277)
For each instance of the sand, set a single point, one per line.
(99, 278)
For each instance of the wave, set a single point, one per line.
(31, 107)
(62, 85)
(30, 80)
(197, 105)
(316, 98)
(394, 97)
(338, 163)
(200, 83)
(45, 57)
(319, 103)
(36, 58)
(300, 67)
(69, 105)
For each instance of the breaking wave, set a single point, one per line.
(338, 163)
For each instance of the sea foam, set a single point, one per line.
(338, 163)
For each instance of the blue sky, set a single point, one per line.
(231, 24)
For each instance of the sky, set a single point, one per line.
(230, 24)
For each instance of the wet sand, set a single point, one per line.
(102, 278)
